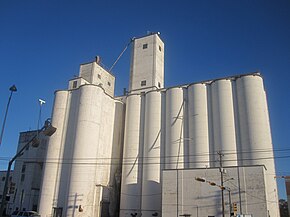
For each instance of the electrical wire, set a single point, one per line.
(161, 157)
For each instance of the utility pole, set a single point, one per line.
(222, 180)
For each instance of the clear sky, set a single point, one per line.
(43, 42)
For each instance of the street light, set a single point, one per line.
(46, 130)
(200, 179)
(12, 89)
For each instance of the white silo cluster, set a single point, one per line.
(79, 158)
(184, 127)
(155, 129)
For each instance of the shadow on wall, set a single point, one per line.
(136, 194)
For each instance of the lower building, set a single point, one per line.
(28, 172)
(198, 192)
(11, 190)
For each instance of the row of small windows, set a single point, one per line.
(23, 172)
(145, 46)
(4, 177)
(100, 77)
(143, 83)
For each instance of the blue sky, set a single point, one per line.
(43, 42)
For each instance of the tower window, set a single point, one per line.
(99, 76)
(159, 85)
(145, 46)
(143, 83)
(109, 83)
(75, 83)
(160, 48)
(23, 168)
(22, 177)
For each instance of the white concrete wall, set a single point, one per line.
(256, 142)
(94, 73)
(27, 173)
(151, 187)
(198, 137)
(147, 64)
(86, 146)
(54, 157)
(223, 121)
(132, 158)
(79, 161)
(174, 145)
(182, 194)
(228, 115)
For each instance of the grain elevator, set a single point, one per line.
(109, 153)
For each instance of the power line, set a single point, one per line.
(161, 157)
(170, 156)
(73, 161)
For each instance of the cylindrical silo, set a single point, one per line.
(48, 195)
(174, 145)
(151, 186)
(224, 121)
(82, 187)
(132, 163)
(198, 126)
(116, 157)
(65, 159)
(255, 128)
(256, 143)
(237, 122)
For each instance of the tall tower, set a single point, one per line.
(147, 64)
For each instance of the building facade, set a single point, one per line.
(11, 190)
(109, 154)
(82, 165)
(28, 172)
(245, 192)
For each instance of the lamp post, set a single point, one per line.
(12, 90)
(47, 130)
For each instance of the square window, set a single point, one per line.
(145, 46)
(3, 178)
(143, 83)
(22, 177)
(23, 168)
(75, 84)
